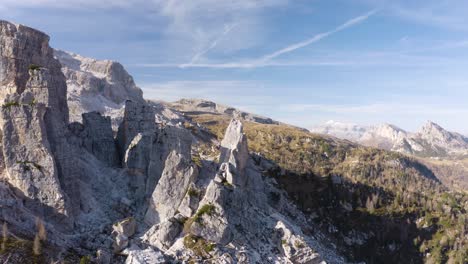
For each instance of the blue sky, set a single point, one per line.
(299, 61)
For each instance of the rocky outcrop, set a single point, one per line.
(233, 220)
(138, 118)
(122, 231)
(96, 85)
(203, 106)
(98, 138)
(234, 155)
(178, 174)
(27, 155)
(149, 255)
(34, 114)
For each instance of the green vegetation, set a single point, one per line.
(193, 192)
(85, 260)
(8, 105)
(393, 199)
(197, 160)
(227, 184)
(208, 209)
(299, 244)
(199, 246)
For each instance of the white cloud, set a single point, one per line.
(196, 57)
(267, 60)
(319, 36)
(188, 27)
(447, 14)
(69, 4)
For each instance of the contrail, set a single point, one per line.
(319, 36)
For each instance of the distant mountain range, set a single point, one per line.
(430, 141)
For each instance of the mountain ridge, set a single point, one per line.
(431, 140)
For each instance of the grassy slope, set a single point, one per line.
(391, 200)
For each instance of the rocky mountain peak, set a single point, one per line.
(27, 62)
(96, 85)
(431, 129)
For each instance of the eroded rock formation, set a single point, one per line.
(141, 193)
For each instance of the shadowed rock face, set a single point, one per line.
(99, 138)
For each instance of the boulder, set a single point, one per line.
(164, 234)
(147, 256)
(122, 231)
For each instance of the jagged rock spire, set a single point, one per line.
(234, 154)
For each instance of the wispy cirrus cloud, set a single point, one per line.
(267, 60)
(320, 36)
(188, 29)
(196, 57)
(447, 14)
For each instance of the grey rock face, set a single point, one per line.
(96, 85)
(169, 138)
(177, 176)
(164, 234)
(99, 138)
(27, 155)
(147, 256)
(22, 48)
(138, 118)
(234, 154)
(121, 232)
(33, 115)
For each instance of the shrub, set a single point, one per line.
(85, 260)
(197, 160)
(205, 209)
(10, 104)
(193, 192)
(199, 246)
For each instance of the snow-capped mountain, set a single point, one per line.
(430, 141)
